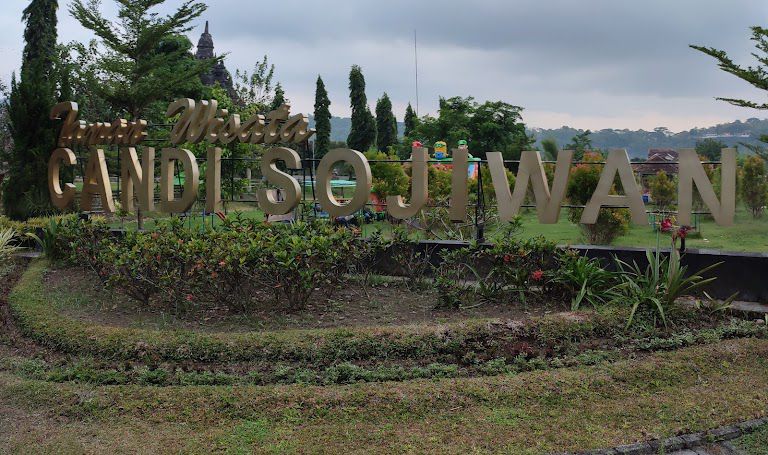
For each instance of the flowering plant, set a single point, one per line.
(668, 226)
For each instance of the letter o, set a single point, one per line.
(362, 190)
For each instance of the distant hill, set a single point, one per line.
(637, 142)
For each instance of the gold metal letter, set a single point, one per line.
(140, 176)
(168, 203)
(419, 185)
(60, 198)
(96, 183)
(691, 171)
(213, 180)
(618, 161)
(362, 174)
(267, 201)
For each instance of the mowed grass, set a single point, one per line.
(691, 389)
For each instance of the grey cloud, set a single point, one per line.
(591, 59)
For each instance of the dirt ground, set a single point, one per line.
(386, 303)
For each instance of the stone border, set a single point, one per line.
(688, 441)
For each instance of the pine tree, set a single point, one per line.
(279, 98)
(411, 121)
(322, 119)
(31, 99)
(757, 76)
(143, 60)
(363, 132)
(386, 124)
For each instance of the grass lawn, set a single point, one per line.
(583, 408)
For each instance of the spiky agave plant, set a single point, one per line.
(8, 244)
(658, 287)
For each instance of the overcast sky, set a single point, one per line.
(587, 64)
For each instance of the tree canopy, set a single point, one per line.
(143, 57)
(487, 127)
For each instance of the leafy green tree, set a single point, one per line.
(279, 98)
(663, 190)
(754, 185)
(550, 149)
(491, 126)
(141, 58)
(580, 143)
(363, 132)
(709, 149)
(322, 119)
(386, 124)
(31, 99)
(255, 91)
(411, 121)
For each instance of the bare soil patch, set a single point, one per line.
(388, 303)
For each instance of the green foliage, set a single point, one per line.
(389, 179)
(8, 244)
(246, 262)
(363, 132)
(754, 185)
(322, 120)
(550, 149)
(653, 292)
(709, 149)
(386, 124)
(583, 279)
(580, 144)
(516, 269)
(279, 98)
(254, 91)
(25, 190)
(142, 58)
(663, 190)
(491, 126)
(47, 241)
(611, 223)
(411, 122)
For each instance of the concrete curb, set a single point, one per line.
(688, 441)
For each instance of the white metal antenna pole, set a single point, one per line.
(416, 60)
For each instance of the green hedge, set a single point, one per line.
(37, 316)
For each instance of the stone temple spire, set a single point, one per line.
(205, 45)
(218, 73)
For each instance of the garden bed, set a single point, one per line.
(64, 320)
(385, 302)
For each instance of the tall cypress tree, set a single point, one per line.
(322, 119)
(386, 124)
(279, 98)
(363, 132)
(34, 135)
(411, 121)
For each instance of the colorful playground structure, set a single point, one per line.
(445, 161)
